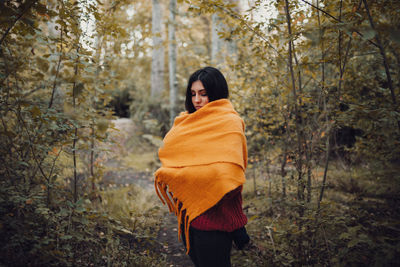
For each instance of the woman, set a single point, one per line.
(204, 158)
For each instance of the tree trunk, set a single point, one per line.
(299, 163)
(173, 83)
(157, 64)
(74, 154)
(216, 42)
(221, 48)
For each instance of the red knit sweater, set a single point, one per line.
(227, 215)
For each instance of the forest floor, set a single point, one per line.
(354, 207)
(118, 172)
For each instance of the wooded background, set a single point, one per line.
(316, 82)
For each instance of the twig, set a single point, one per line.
(327, 245)
(338, 20)
(328, 151)
(92, 140)
(385, 61)
(7, 72)
(58, 69)
(76, 129)
(272, 239)
(342, 68)
(8, 170)
(32, 91)
(236, 16)
(15, 21)
(9, 138)
(299, 164)
(30, 145)
(54, 161)
(50, 174)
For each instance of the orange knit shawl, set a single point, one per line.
(204, 156)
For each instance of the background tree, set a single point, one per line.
(157, 65)
(317, 83)
(173, 84)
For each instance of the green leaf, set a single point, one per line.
(80, 209)
(369, 34)
(344, 236)
(23, 163)
(66, 237)
(353, 243)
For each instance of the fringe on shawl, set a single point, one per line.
(175, 206)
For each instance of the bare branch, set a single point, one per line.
(15, 21)
(337, 20)
(252, 29)
(385, 61)
(299, 164)
(39, 165)
(58, 69)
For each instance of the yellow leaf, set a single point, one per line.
(252, 218)
(35, 111)
(102, 125)
(42, 63)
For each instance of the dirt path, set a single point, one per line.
(168, 233)
(174, 249)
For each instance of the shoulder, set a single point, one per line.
(235, 120)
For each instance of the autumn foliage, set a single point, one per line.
(316, 82)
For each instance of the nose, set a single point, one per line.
(197, 98)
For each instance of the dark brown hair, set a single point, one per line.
(214, 83)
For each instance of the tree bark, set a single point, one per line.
(221, 48)
(173, 83)
(216, 42)
(157, 64)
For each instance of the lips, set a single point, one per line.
(197, 107)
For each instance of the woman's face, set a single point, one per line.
(199, 95)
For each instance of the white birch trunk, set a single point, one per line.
(216, 42)
(173, 83)
(220, 48)
(157, 64)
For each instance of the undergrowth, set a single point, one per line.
(357, 224)
(76, 234)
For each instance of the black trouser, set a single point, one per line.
(210, 248)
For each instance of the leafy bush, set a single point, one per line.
(352, 228)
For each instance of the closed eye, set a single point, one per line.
(202, 92)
